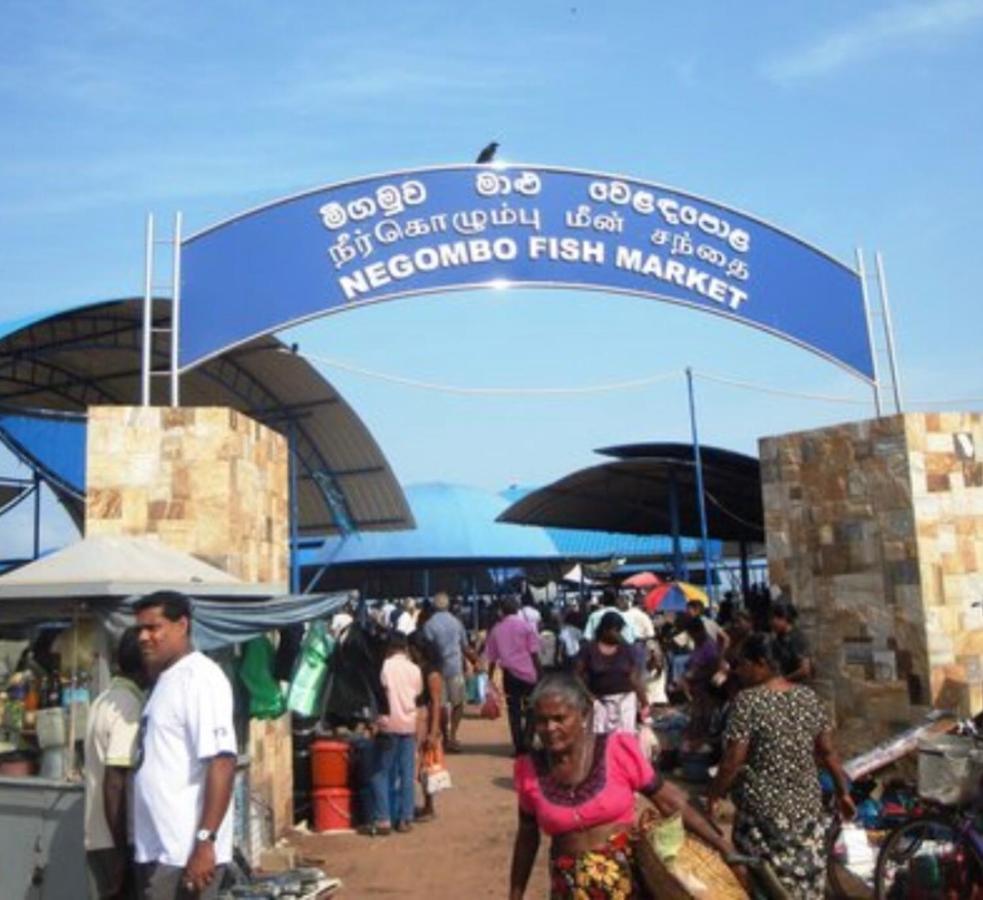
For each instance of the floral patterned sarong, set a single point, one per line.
(601, 874)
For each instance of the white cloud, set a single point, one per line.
(899, 26)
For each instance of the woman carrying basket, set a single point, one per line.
(580, 789)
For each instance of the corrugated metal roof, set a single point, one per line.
(90, 356)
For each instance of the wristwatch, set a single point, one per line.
(203, 834)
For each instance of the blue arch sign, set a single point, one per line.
(463, 227)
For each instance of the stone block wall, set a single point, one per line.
(206, 480)
(875, 531)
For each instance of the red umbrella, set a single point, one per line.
(642, 580)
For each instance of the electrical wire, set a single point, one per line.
(489, 391)
(603, 388)
(767, 389)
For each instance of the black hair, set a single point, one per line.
(424, 649)
(128, 658)
(173, 605)
(784, 610)
(759, 648)
(397, 641)
(695, 627)
(610, 621)
(509, 606)
(609, 597)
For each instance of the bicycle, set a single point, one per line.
(938, 852)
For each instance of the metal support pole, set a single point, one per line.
(176, 312)
(146, 355)
(700, 497)
(745, 571)
(474, 599)
(37, 514)
(678, 561)
(888, 330)
(294, 510)
(862, 272)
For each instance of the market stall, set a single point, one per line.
(59, 616)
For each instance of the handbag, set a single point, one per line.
(492, 707)
(434, 776)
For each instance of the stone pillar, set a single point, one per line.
(211, 482)
(875, 531)
(206, 480)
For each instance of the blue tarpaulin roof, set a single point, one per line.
(455, 523)
(54, 443)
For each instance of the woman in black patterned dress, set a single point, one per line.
(778, 734)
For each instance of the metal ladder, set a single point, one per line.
(152, 294)
(885, 349)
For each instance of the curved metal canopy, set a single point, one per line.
(633, 494)
(90, 355)
(456, 525)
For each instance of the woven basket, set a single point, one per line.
(697, 872)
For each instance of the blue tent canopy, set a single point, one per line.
(455, 524)
(53, 442)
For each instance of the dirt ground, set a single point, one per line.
(465, 852)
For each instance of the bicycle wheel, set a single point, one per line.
(926, 857)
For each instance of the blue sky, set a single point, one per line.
(846, 123)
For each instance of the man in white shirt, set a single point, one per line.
(185, 759)
(110, 742)
(609, 603)
(641, 621)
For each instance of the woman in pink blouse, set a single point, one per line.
(580, 790)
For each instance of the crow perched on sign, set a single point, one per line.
(488, 154)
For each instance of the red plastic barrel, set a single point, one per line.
(330, 764)
(332, 809)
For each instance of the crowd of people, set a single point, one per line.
(582, 683)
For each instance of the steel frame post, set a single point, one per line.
(294, 512)
(146, 355)
(176, 311)
(862, 272)
(37, 514)
(888, 330)
(701, 500)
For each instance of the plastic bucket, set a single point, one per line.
(330, 764)
(332, 809)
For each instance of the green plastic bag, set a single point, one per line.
(256, 673)
(310, 671)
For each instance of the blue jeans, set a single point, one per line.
(392, 778)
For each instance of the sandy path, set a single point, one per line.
(466, 852)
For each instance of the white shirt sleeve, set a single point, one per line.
(210, 714)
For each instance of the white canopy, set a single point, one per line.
(121, 567)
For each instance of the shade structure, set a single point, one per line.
(455, 524)
(636, 495)
(89, 355)
(587, 544)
